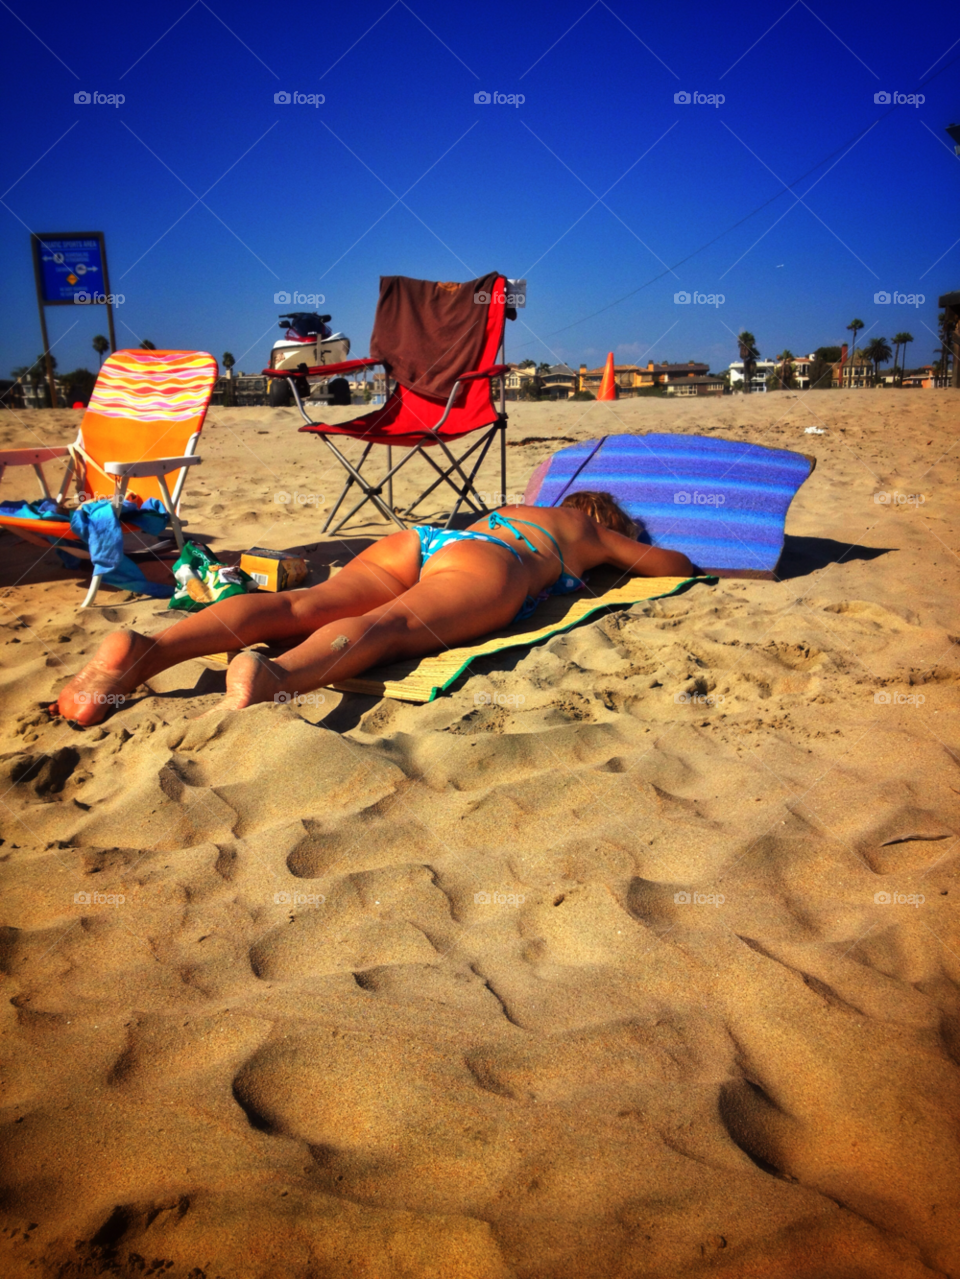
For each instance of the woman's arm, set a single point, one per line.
(643, 560)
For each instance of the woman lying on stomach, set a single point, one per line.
(410, 594)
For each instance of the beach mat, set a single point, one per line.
(723, 503)
(421, 680)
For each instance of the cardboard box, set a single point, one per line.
(273, 570)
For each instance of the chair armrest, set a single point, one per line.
(30, 457)
(155, 466)
(345, 366)
(495, 370)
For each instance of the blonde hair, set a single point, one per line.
(605, 509)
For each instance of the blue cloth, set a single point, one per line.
(723, 503)
(96, 525)
(434, 539)
(45, 509)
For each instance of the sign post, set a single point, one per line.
(70, 269)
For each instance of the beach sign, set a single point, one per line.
(69, 266)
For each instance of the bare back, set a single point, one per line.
(583, 543)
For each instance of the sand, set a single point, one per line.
(583, 981)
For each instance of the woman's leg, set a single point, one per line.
(125, 659)
(473, 590)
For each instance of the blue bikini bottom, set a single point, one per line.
(435, 539)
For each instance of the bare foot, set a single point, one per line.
(105, 681)
(252, 678)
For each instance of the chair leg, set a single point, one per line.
(336, 507)
(468, 485)
(371, 492)
(92, 593)
(171, 512)
(444, 477)
(503, 446)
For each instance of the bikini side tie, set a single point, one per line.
(500, 521)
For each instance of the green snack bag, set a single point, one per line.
(202, 581)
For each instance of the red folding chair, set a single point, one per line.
(416, 421)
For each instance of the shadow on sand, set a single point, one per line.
(804, 555)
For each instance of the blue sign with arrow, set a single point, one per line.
(68, 267)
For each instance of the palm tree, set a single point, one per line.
(904, 339)
(229, 389)
(20, 375)
(897, 338)
(101, 346)
(38, 372)
(749, 354)
(786, 358)
(877, 352)
(854, 326)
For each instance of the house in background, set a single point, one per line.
(854, 373)
(633, 378)
(758, 382)
(925, 377)
(801, 371)
(560, 382)
(628, 377)
(517, 378)
(697, 386)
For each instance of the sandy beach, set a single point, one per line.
(583, 981)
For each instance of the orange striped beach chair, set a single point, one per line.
(138, 438)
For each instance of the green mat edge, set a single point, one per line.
(520, 642)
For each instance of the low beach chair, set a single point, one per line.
(437, 399)
(137, 440)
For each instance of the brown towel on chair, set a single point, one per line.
(426, 334)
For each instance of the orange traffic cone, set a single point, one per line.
(608, 387)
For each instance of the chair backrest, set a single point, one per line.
(407, 414)
(145, 405)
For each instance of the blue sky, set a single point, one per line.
(596, 183)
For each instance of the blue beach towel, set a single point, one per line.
(721, 502)
(97, 527)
